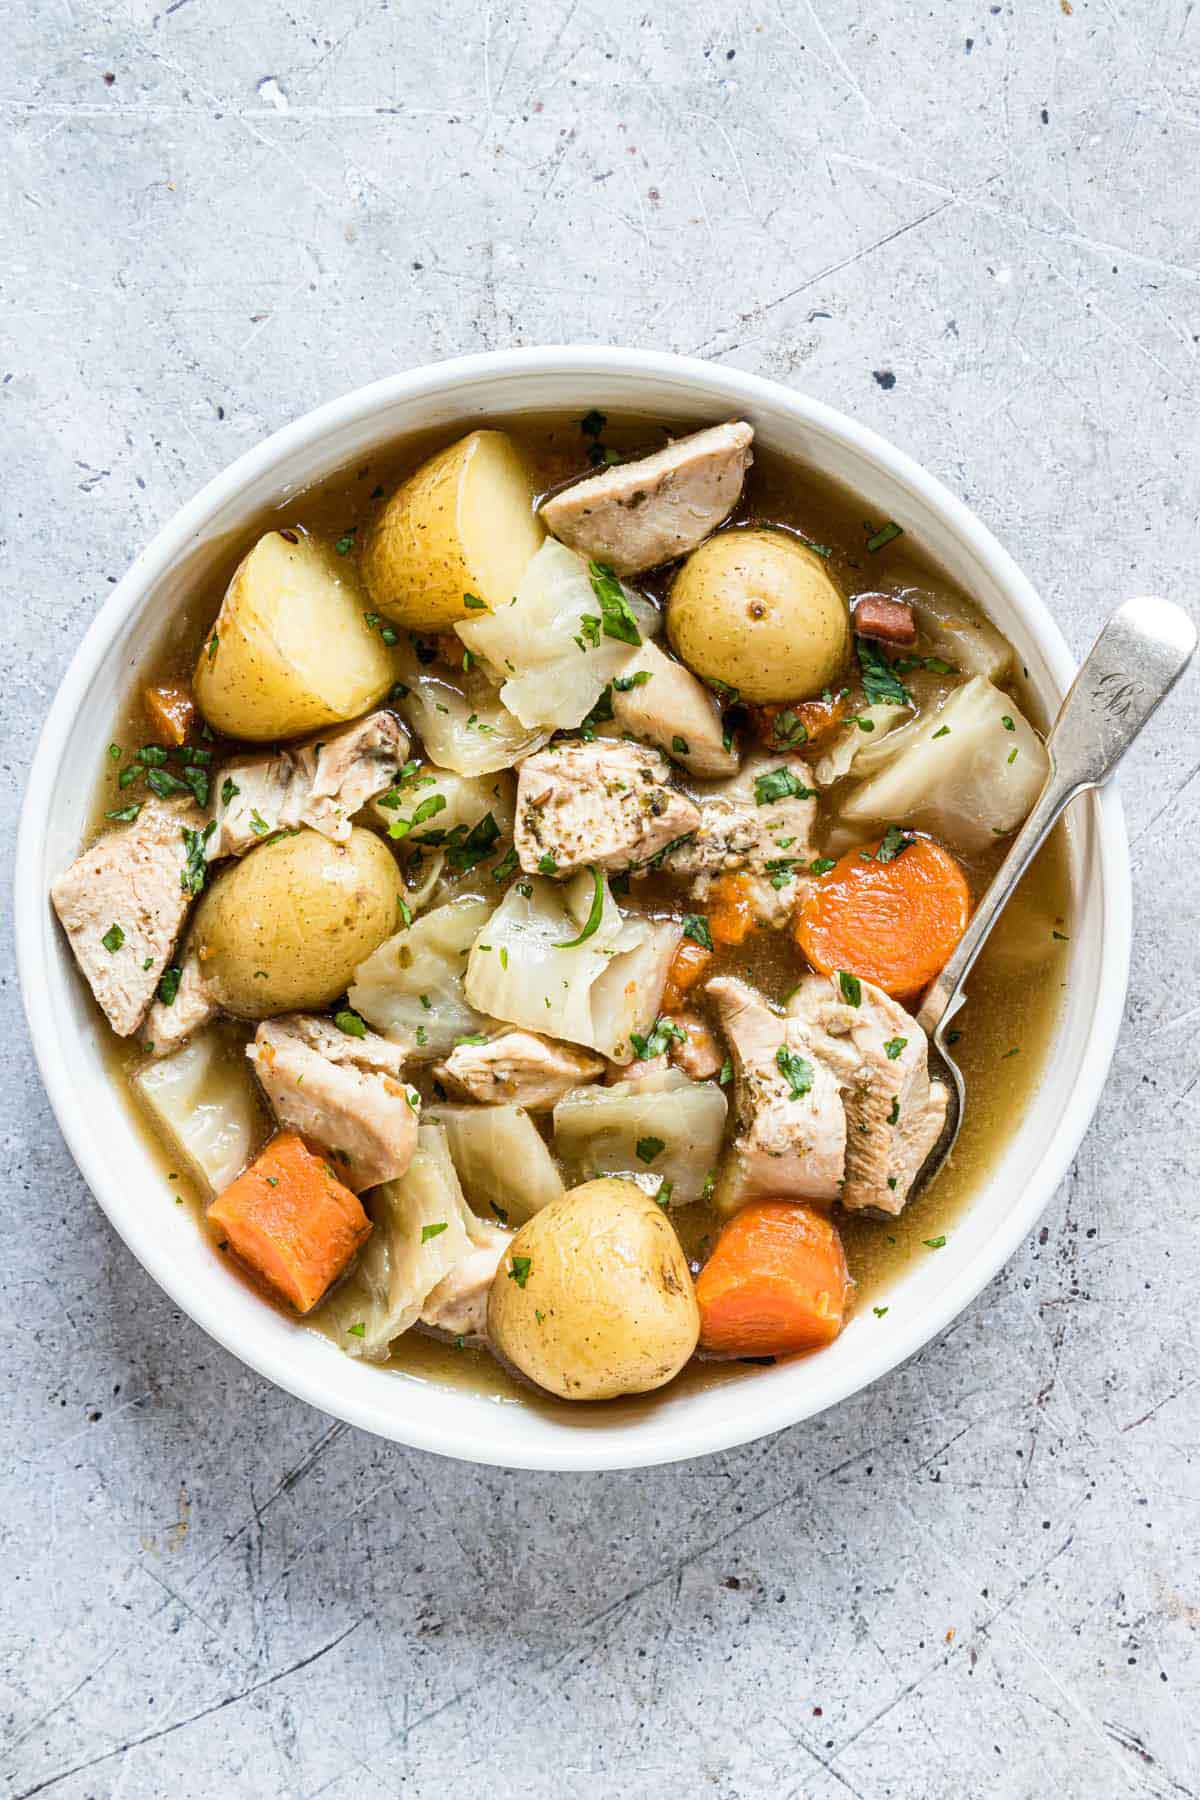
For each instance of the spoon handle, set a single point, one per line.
(1132, 666)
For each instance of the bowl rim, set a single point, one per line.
(589, 1450)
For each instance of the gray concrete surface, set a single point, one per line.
(980, 1578)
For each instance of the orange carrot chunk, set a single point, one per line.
(893, 921)
(731, 909)
(687, 965)
(776, 1283)
(291, 1220)
(788, 725)
(171, 712)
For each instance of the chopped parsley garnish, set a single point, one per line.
(473, 603)
(589, 628)
(935, 664)
(358, 1330)
(519, 1269)
(723, 691)
(788, 731)
(884, 535)
(125, 815)
(479, 843)
(663, 1032)
(422, 1037)
(780, 784)
(258, 824)
(345, 543)
(894, 843)
(405, 913)
(499, 1212)
(942, 731)
(600, 714)
(1012, 755)
(592, 423)
(821, 865)
(391, 636)
(616, 612)
(680, 745)
(195, 871)
(426, 1002)
(547, 865)
(851, 988)
(1008, 723)
(506, 866)
(894, 1048)
(650, 1147)
(168, 985)
(350, 1023)
(1060, 937)
(879, 1311)
(726, 1075)
(894, 1115)
(695, 926)
(594, 916)
(113, 938)
(229, 791)
(214, 644)
(469, 1037)
(796, 1070)
(624, 683)
(881, 684)
(937, 1243)
(114, 750)
(1015, 1051)
(432, 1231)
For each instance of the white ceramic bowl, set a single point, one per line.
(67, 1032)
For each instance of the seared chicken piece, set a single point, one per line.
(661, 702)
(458, 1304)
(762, 821)
(519, 1068)
(636, 515)
(791, 1143)
(894, 1112)
(344, 1093)
(322, 783)
(609, 805)
(168, 1026)
(696, 1052)
(123, 902)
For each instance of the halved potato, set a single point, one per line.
(463, 525)
(291, 650)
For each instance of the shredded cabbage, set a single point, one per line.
(411, 988)
(663, 1125)
(596, 992)
(459, 718)
(550, 640)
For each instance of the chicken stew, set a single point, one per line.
(511, 903)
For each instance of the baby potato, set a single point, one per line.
(463, 525)
(290, 651)
(593, 1297)
(285, 928)
(758, 610)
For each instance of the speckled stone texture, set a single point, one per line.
(973, 226)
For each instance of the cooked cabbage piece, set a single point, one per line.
(552, 640)
(959, 634)
(859, 752)
(968, 772)
(529, 968)
(467, 819)
(458, 717)
(203, 1099)
(501, 1159)
(411, 988)
(423, 1227)
(663, 1126)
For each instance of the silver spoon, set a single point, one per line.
(1132, 666)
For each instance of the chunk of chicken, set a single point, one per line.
(894, 1112)
(636, 515)
(169, 1026)
(791, 1141)
(322, 783)
(696, 1052)
(608, 804)
(667, 706)
(519, 1068)
(342, 1092)
(122, 904)
(762, 821)
(458, 1304)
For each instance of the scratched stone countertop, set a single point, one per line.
(974, 226)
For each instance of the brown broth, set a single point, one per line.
(1016, 986)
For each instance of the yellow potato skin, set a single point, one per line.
(290, 651)
(462, 524)
(608, 1306)
(285, 928)
(758, 610)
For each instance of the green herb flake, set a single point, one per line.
(594, 916)
(426, 1002)
(1012, 756)
(168, 985)
(894, 843)
(258, 824)
(345, 543)
(1060, 937)
(937, 1243)
(592, 423)
(506, 866)
(851, 988)
(884, 535)
(125, 815)
(616, 612)
(943, 731)
(695, 926)
(879, 1311)
(895, 1048)
(350, 1023)
(821, 865)
(649, 1147)
(214, 644)
(624, 684)
(473, 603)
(1008, 723)
(726, 1075)
(519, 1269)
(663, 1032)
(894, 1115)
(470, 1037)
(796, 1070)
(432, 1231)
(358, 1330)
(547, 865)
(680, 745)
(780, 784)
(881, 684)
(113, 938)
